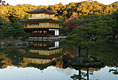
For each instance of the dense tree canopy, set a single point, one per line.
(9, 12)
(94, 28)
(13, 30)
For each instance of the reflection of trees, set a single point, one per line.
(85, 70)
(81, 75)
(1, 63)
(106, 52)
(80, 61)
(114, 71)
(15, 55)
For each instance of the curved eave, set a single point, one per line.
(40, 20)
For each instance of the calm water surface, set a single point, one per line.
(58, 61)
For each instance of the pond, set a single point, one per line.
(55, 60)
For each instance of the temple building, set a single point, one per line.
(42, 23)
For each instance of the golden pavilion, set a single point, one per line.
(42, 23)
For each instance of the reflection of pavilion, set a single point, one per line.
(42, 54)
(48, 45)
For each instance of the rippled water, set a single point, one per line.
(58, 61)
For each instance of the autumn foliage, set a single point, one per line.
(9, 12)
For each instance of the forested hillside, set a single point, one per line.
(10, 13)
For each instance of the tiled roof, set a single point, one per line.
(40, 10)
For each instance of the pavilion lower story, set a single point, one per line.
(42, 32)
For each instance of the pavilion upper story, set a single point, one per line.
(41, 18)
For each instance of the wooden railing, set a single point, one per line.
(43, 25)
